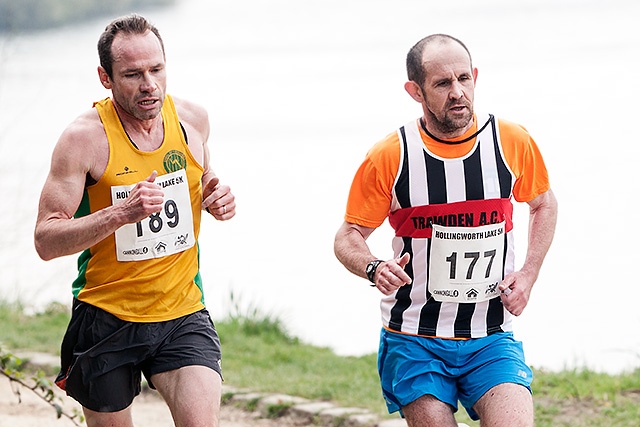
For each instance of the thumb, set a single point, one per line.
(211, 184)
(506, 283)
(152, 177)
(404, 260)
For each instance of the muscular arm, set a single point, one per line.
(352, 251)
(80, 151)
(543, 214)
(216, 199)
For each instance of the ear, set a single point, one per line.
(104, 78)
(414, 91)
(475, 75)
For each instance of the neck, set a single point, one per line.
(454, 142)
(441, 131)
(145, 135)
(133, 123)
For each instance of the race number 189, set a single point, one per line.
(155, 221)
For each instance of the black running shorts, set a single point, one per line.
(102, 357)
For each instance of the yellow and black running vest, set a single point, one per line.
(149, 271)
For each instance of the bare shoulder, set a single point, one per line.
(87, 127)
(83, 145)
(193, 115)
(195, 120)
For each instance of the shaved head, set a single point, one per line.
(415, 65)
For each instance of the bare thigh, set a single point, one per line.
(192, 394)
(427, 411)
(506, 405)
(108, 419)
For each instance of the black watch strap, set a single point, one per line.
(371, 269)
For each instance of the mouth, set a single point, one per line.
(146, 103)
(458, 108)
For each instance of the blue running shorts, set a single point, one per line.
(450, 370)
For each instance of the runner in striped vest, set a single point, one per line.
(476, 194)
(445, 183)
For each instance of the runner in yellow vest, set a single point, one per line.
(128, 182)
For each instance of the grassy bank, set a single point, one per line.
(260, 355)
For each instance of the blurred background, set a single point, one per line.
(297, 92)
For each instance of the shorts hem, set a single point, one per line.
(395, 407)
(183, 364)
(472, 414)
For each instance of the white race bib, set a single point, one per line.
(164, 233)
(466, 264)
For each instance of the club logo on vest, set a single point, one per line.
(174, 160)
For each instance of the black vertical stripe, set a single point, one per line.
(503, 171)
(402, 187)
(429, 313)
(402, 190)
(495, 314)
(403, 295)
(473, 180)
(436, 180)
(462, 325)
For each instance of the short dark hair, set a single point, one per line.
(415, 67)
(129, 24)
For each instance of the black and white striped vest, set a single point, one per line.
(462, 192)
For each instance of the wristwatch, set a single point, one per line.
(371, 270)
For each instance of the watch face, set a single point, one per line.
(371, 269)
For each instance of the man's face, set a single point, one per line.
(139, 76)
(448, 88)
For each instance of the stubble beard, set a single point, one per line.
(448, 124)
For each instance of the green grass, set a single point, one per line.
(258, 354)
(38, 332)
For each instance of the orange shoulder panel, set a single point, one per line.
(370, 195)
(523, 157)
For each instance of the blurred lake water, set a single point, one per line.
(297, 92)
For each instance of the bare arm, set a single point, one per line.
(78, 152)
(543, 215)
(352, 251)
(216, 199)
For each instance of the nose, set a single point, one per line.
(148, 83)
(457, 90)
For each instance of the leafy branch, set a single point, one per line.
(41, 386)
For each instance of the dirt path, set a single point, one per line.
(148, 411)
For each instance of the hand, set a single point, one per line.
(390, 275)
(515, 290)
(218, 200)
(145, 198)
